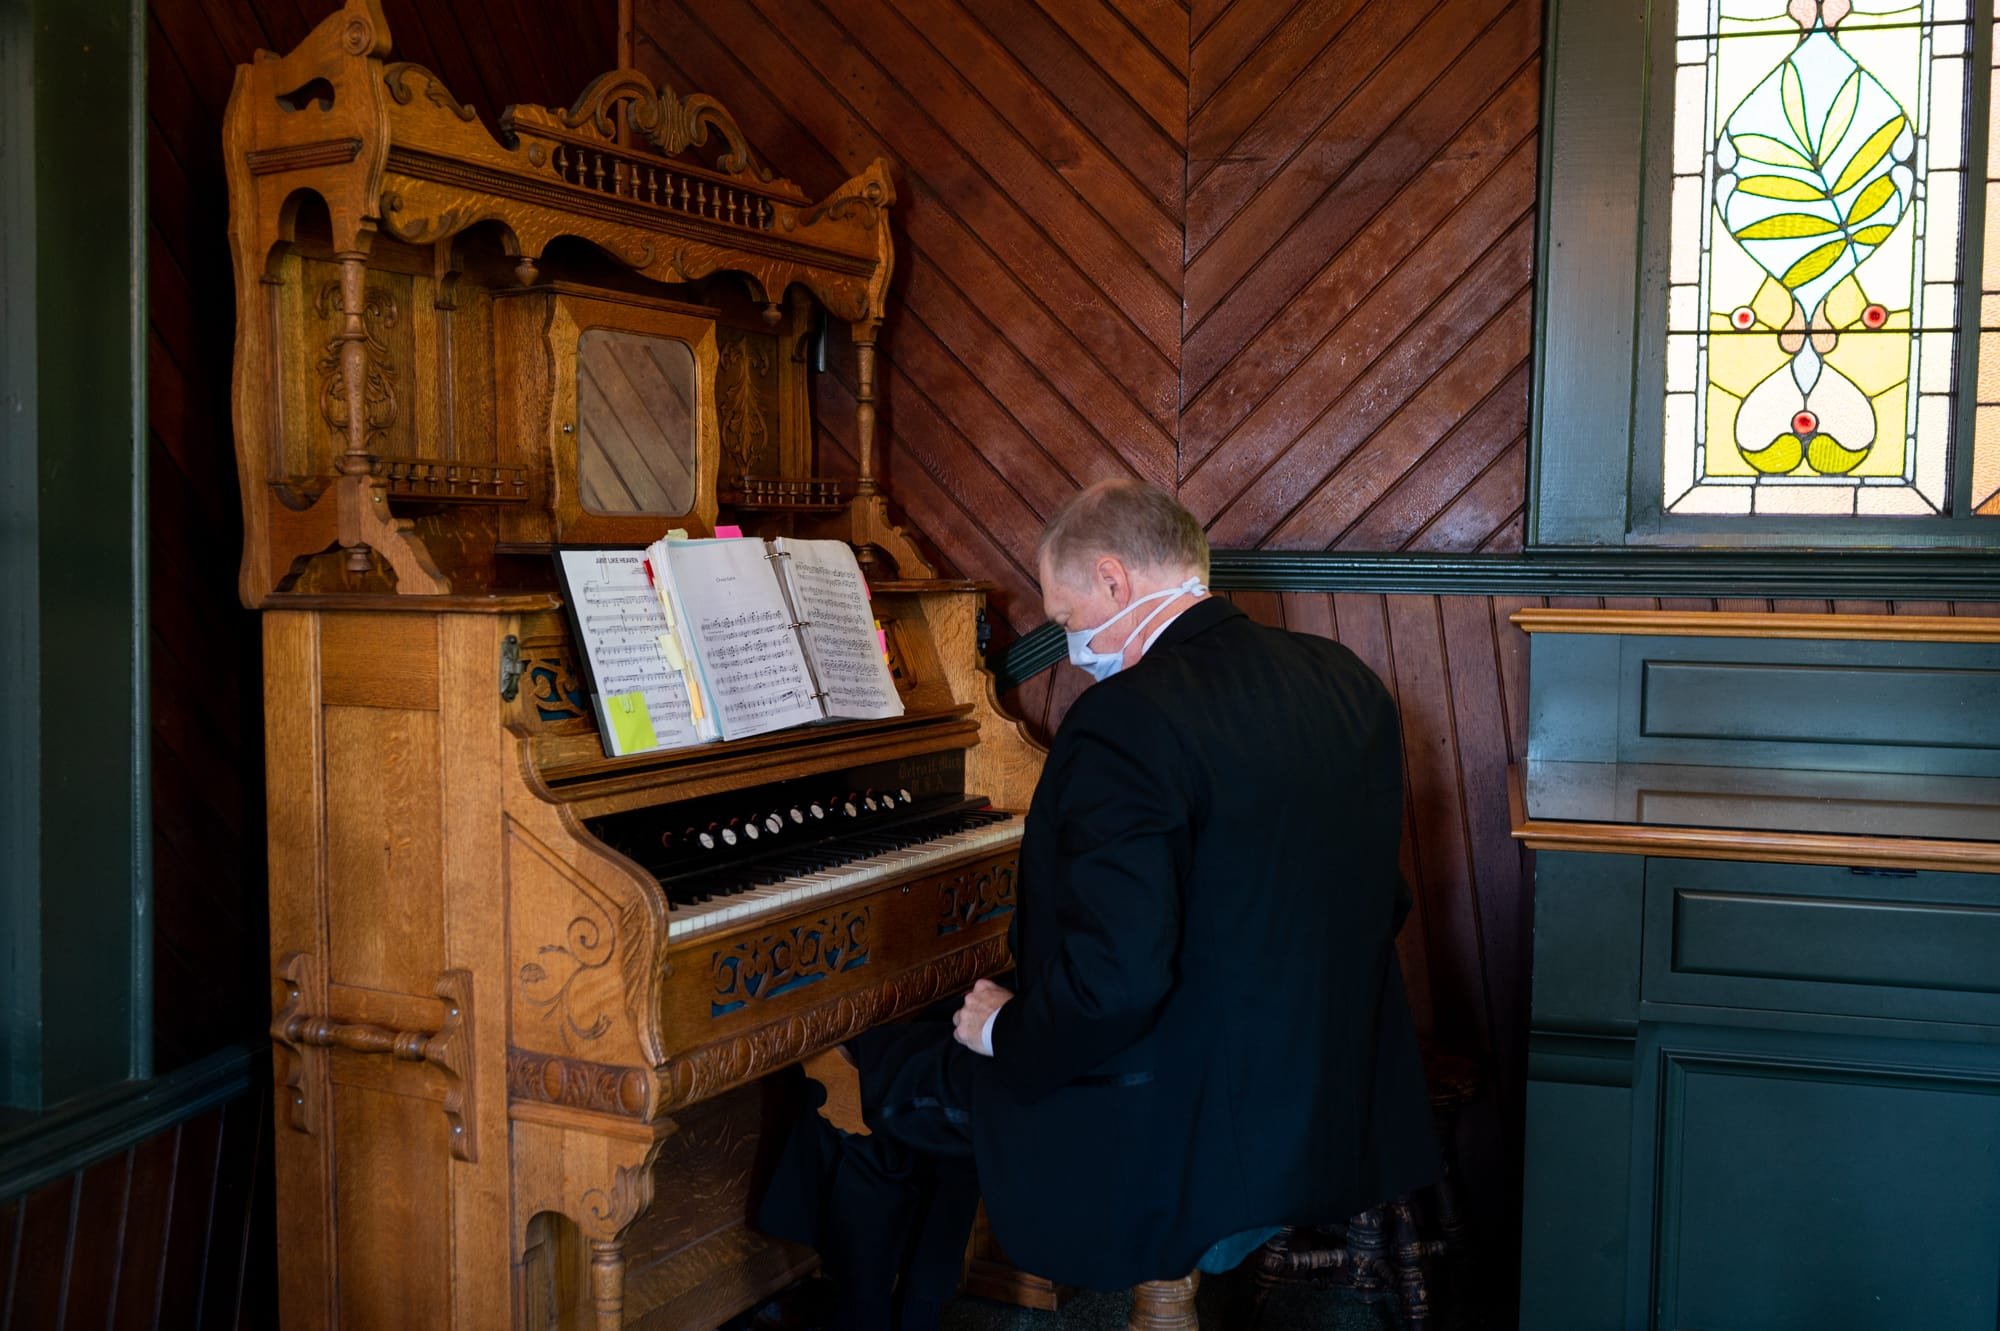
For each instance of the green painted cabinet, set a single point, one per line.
(1764, 1064)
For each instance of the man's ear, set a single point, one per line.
(1111, 576)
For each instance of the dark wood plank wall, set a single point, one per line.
(1340, 193)
(1355, 202)
(1360, 224)
(1034, 340)
(171, 1233)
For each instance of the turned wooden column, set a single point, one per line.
(353, 337)
(1164, 1305)
(607, 1283)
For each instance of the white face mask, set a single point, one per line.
(1103, 665)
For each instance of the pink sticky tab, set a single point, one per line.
(882, 636)
(729, 533)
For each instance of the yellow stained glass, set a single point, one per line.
(1822, 214)
(1986, 416)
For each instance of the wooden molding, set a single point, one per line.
(78, 1135)
(576, 1083)
(1735, 843)
(1862, 575)
(707, 1071)
(1728, 624)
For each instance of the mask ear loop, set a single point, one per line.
(1192, 587)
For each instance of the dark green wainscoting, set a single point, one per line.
(1764, 1095)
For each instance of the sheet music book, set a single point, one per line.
(745, 637)
(640, 700)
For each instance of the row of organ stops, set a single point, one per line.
(819, 815)
(802, 837)
(608, 173)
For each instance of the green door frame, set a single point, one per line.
(75, 813)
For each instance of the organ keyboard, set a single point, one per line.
(529, 997)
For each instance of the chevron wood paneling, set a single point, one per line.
(1273, 253)
(1360, 226)
(1034, 339)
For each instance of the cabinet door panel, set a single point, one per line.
(1807, 1184)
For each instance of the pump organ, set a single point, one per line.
(523, 1015)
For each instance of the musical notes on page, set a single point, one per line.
(826, 586)
(743, 633)
(619, 623)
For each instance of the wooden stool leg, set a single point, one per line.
(1367, 1253)
(1164, 1305)
(1406, 1260)
(1270, 1264)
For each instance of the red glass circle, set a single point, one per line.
(1874, 316)
(1804, 423)
(1743, 316)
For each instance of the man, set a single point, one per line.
(1207, 1035)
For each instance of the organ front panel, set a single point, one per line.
(528, 999)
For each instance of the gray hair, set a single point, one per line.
(1129, 520)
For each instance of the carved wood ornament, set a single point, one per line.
(390, 153)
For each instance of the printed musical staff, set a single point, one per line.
(620, 622)
(743, 633)
(828, 591)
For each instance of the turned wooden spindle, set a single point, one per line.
(353, 337)
(864, 405)
(607, 1283)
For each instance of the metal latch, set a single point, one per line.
(510, 667)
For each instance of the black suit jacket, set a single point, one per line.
(1209, 1033)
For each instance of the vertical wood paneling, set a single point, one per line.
(165, 1234)
(43, 1236)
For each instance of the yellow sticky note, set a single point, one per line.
(677, 533)
(631, 724)
(670, 647)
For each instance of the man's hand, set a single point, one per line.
(969, 1025)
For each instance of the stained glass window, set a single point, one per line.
(1818, 166)
(1986, 431)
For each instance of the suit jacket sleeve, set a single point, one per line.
(1122, 827)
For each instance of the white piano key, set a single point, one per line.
(865, 872)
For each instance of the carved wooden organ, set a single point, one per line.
(522, 1025)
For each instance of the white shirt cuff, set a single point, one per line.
(986, 1034)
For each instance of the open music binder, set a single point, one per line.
(690, 641)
